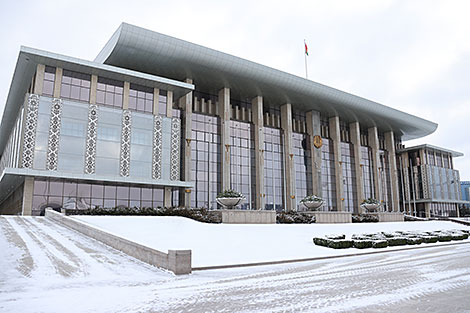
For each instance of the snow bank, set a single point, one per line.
(223, 244)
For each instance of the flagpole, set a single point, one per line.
(305, 56)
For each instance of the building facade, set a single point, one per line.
(157, 121)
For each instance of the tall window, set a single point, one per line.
(75, 86)
(328, 175)
(206, 160)
(49, 78)
(162, 102)
(349, 176)
(273, 169)
(366, 161)
(109, 92)
(141, 98)
(303, 166)
(242, 161)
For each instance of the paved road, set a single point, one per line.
(49, 268)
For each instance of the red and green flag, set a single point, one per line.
(306, 48)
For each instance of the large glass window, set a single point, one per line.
(109, 92)
(162, 102)
(141, 98)
(49, 78)
(349, 177)
(242, 161)
(141, 145)
(206, 160)
(303, 167)
(108, 141)
(273, 169)
(367, 172)
(75, 86)
(328, 176)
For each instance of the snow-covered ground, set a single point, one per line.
(49, 268)
(223, 244)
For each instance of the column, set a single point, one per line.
(28, 196)
(125, 96)
(314, 133)
(258, 122)
(186, 103)
(392, 160)
(39, 79)
(156, 96)
(286, 125)
(169, 113)
(94, 84)
(224, 114)
(335, 137)
(373, 138)
(355, 135)
(57, 82)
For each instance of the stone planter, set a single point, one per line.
(229, 203)
(313, 205)
(370, 207)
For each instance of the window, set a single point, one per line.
(109, 92)
(49, 78)
(75, 86)
(141, 99)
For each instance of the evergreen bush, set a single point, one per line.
(379, 244)
(362, 244)
(340, 244)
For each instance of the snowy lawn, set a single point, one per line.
(227, 244)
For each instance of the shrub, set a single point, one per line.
(229, 193)
(336, 236)
(370, 201)
(379, 244)
(321, 241)
(430, 239)
(459, 236)
(444, 237)
(340, 244)
(414, 241)
(294, 218)
(396, 241)
(467, 231)
(311, 198)
(389, 235)
(362, 244)
(364, 218)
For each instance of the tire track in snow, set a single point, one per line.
(26, 263)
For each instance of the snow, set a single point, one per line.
(46, 267)
(228, 244)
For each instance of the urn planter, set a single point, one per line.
(370, 207)
(313, 205)
(230, 203)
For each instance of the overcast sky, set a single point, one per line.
(410, 55)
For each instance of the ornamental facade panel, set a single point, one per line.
(54, 134)
(424, 180)
(30, 131)
(91, 137)
(157, 148)
(175, 149)
(125, 159)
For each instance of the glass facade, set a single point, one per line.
(303, 167)
(328, 176)
(141, 98)
(75, 86)
(367, 172)
(274, 169)
(58, 193)
(206, 161)
(242, 161)
(141, 145)
(109, 92)
(49, 79)
(349, 177)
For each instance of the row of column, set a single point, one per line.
(313, 131)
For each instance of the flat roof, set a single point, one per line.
(29, 58)
(147, 51)
(454, 154)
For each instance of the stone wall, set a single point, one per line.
(248, 217)
(332, 217)
(389, 216)
(177, 261)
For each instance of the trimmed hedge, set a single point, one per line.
(397, 241)
(444, 237)
(321, 241)
(336, 236)
(362, 244)
(430, 239)
(459, 236)
(380, 244)
(340, 244)
(414, 241)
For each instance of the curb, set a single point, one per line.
(204, 268)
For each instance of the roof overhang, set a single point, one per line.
(146, 51)
(29, 58)
(454, 154)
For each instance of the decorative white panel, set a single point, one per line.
(30, 131)
(175, 149)
(90, 153)
(125, 159)
(424, 180)
(157, 148)
(54, 134)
